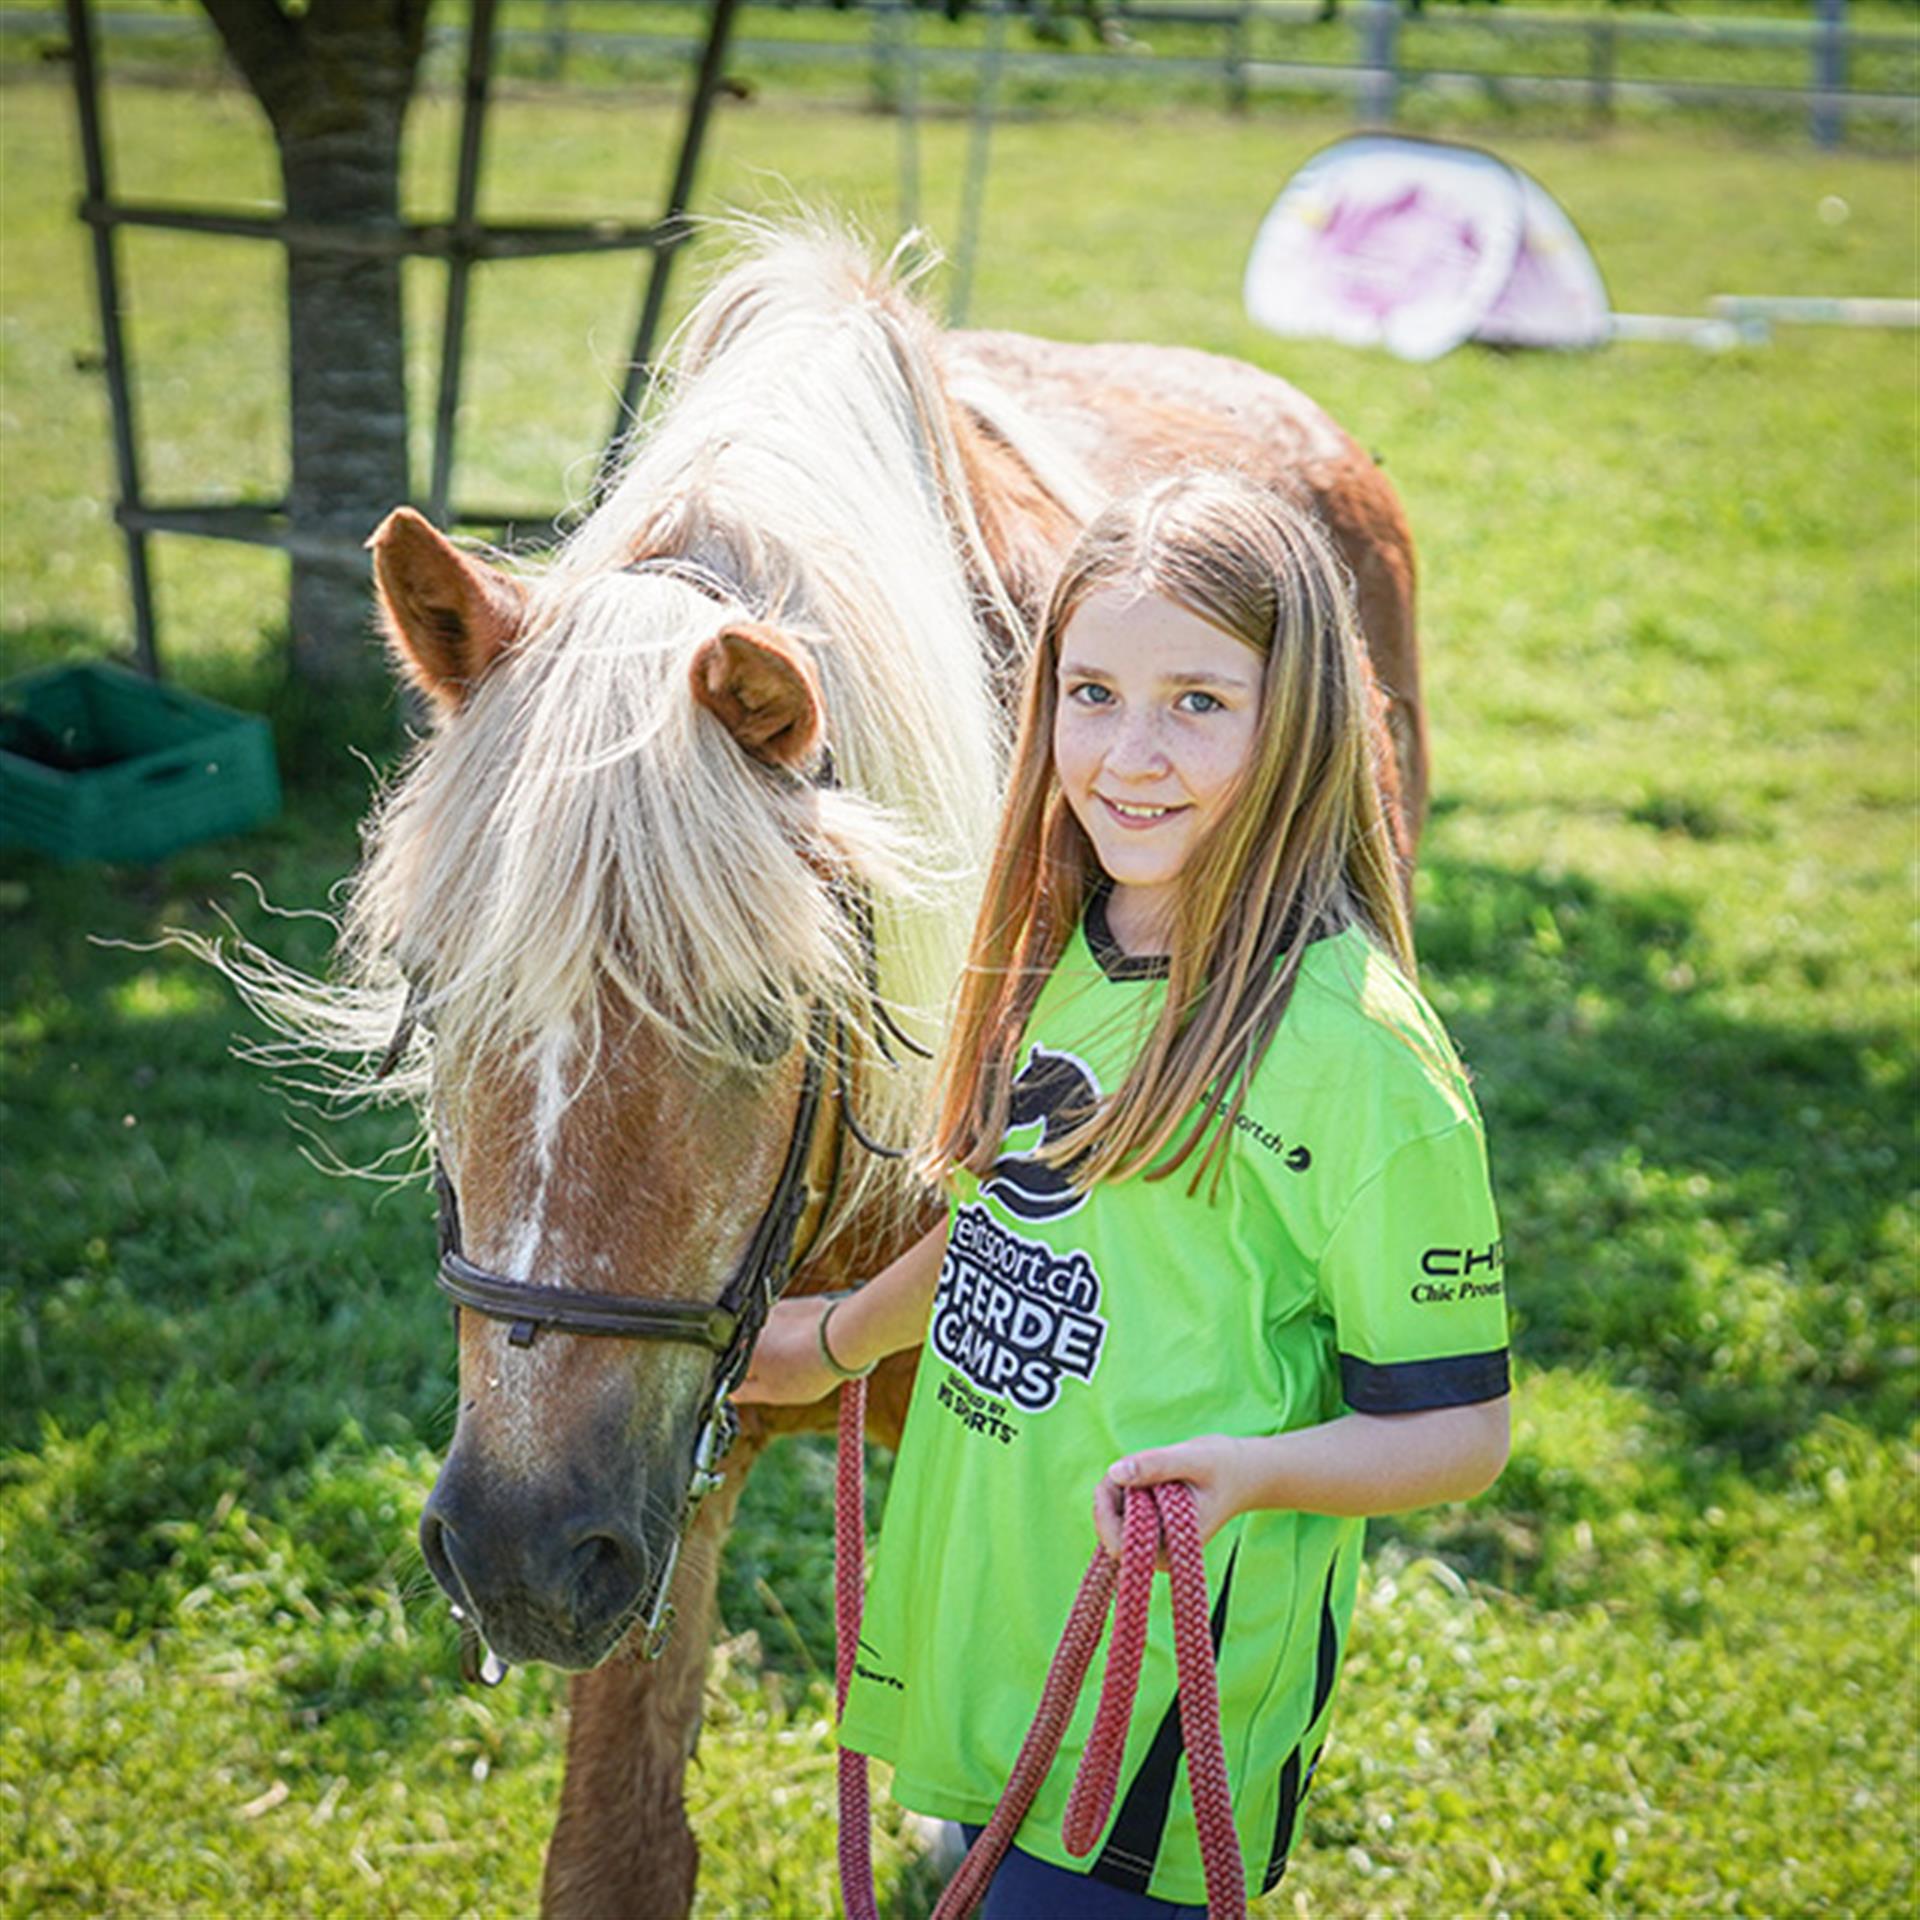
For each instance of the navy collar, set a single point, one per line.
(1112, 959)
(1115, 961)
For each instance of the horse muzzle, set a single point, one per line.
(543, 1575)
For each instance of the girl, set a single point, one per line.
(1219, 1207)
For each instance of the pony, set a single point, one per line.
(662, 915)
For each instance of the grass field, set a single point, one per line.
(1666, 1667)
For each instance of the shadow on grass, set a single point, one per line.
(193, 1313)
(1699, 1205)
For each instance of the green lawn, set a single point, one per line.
(1666, 1667)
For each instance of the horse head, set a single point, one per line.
(626, 897)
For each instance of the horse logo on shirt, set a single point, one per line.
(1054, 1092)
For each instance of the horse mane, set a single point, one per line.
(582, 836)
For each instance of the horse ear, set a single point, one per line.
(762, 688)
(447, 616)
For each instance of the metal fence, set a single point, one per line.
(1591, 62)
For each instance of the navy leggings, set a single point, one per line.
(1030, 1889)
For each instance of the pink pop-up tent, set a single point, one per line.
(1417, 245)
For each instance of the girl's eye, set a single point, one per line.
(1195, 701)
(1089, 693)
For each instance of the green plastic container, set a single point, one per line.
(99, 764)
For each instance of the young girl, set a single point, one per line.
(1219, 1208)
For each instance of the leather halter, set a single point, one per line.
(727, 1327)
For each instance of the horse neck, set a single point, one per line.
(1026, 529)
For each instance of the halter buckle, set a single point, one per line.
(723, 1424)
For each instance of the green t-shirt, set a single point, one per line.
(1350, 1259)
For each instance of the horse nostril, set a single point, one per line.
(436, 1548)
(604, 1569)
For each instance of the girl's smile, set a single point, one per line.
(1137, 816)
(1155, 724)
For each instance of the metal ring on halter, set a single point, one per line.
(717, 1433)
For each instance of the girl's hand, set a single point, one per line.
(886, 1315)
(785, 1368)
(1212, 1465)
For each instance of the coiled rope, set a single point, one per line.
(1155, 1516)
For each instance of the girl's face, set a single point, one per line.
(1154, 725)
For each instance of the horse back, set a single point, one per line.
(1127, 414)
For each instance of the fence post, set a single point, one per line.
(1601, 44)
(1829, 72)
(466, 208)
(883, 66)
(96, 211)
(556, 61)
(673, 230)
(986, 102)
(907, 111)
(1236, 59)
(1380, 34)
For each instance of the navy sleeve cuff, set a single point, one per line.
(1412, 1386)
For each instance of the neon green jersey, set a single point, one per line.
(1351, 1258)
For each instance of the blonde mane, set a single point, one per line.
(583, 836)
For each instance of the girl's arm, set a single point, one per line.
(887, 1314)
(1360, 1464)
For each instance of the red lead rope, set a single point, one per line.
(1153, 1513)
(849, 1557)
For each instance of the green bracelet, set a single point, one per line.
(826, 1352)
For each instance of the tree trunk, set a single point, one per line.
(346, 354)
(335, 82)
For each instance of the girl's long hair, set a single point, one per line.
(1305, 849)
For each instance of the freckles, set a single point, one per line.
(1225, 758)
(1073, 763)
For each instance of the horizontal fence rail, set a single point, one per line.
(1386, 56)
(436, 240)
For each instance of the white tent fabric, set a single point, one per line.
(1417, 245)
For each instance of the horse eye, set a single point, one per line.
(760, 1034)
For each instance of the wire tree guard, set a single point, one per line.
(462, 242)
